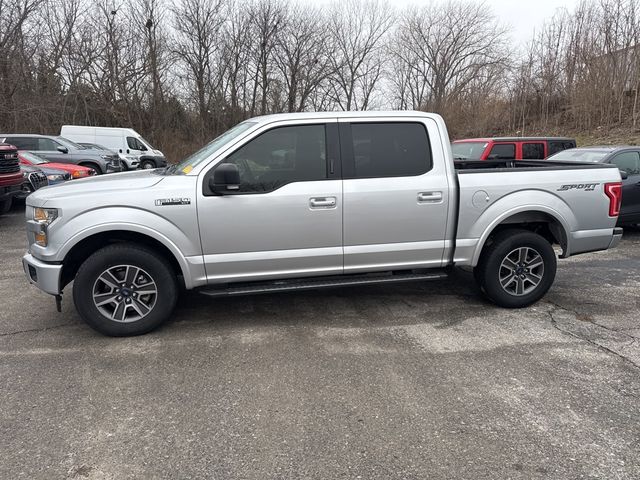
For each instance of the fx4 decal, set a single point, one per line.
(587, 187)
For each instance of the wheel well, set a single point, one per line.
(83, 249)
(93, 165)
(538, 222)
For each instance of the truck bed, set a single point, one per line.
(568, 195)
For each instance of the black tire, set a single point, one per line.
(151, 267)
(95, 166)
(496, 262)
(147, 165)
(5, 205)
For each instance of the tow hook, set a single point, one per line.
(59, 303)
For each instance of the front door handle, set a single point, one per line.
(322, 202)
(429, 197)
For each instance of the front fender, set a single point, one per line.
(178, 235)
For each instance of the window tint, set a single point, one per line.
(532, 151)
(281, 156)
(390, 149)
(503, 151)
(628, 162)
(23, 143)
(47, 144)
(558, 146)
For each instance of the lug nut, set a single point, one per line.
(119, 298)
(128, 300)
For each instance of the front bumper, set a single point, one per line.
(115, 167)
(617, 237)
(45, 276)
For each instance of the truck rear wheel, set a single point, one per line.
(125, 289)
(516, 269)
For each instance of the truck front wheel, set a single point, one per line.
(125, 289)
(516, 269)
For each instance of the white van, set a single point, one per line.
(134, 150)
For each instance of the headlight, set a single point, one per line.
(43, 217)
(55, 177)
(79, 174)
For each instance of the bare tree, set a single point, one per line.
(357, 31)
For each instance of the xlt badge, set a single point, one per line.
(161, 202)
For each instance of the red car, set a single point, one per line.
(509, 148)
(76, 171)
(10, 176)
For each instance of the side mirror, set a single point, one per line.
(226, 179)
(63, 149)
(623, 174)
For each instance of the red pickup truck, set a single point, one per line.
(510, 148)
(10, 176)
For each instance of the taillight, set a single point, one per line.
(614, 192)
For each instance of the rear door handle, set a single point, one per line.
(429, 197)
(322, 202)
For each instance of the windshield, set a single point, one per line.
(580, 155)
(68, 143)
(146, 142)
(205, 153)
(468, 150)
(33, 159)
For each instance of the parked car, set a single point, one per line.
(627, 159)
(509, 148)
(129, 161)
(124, 141)
(75, 171)
(10, 176)
(61, 150)
(33, 178)
(312, 200)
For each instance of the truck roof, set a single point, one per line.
(514, 139)
(370, 114)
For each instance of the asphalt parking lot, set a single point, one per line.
(408, 381)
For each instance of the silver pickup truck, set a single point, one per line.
(301, 201)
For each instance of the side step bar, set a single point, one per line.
(311, 283)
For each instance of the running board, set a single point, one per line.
(299, 284)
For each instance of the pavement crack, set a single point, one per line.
(554, 324)
(8, 334)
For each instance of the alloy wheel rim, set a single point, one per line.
(125, 293)
(521, 271)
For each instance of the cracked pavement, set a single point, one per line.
(406, 381)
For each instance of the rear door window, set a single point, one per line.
(628, 162)
(503, 151)
(390, 149)
(533, 151)
(23, 143)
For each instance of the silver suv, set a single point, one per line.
(61, 150)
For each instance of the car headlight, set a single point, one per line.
(43, 217)
(79, 174)
(55, 177)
